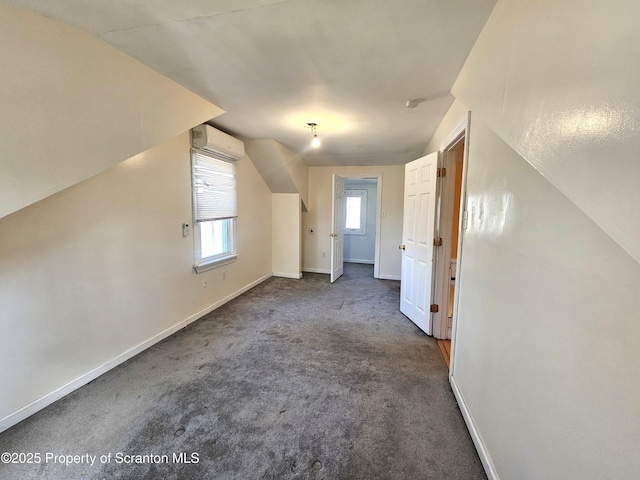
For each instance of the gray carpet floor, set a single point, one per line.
(295, 379)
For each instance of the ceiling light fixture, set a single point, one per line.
(315, 141)
(413, 103)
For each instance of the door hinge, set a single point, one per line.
(434, 308)
(442, 172)
(437, 242)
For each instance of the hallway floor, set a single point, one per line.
(295, 379)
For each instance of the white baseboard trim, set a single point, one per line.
(389, 277)
(297, 276)
(226, 299)
(316, 270)
(359, 260)
(47, 399)
(475, 436)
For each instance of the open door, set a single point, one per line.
(420, 195)
(448, 229)
(337, 228)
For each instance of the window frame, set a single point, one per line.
(203, 264)
(362, 194)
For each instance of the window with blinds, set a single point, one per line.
(214, 188)
(215, 210)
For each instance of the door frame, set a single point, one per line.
(444, 227)
(379, 213)
(450, 142)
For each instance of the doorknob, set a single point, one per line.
(333, 235)
(401, 247)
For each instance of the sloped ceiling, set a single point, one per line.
(282, 169)
(558, 82)
(275, 65)
(66, 112)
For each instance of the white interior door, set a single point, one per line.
(337, 228)
(420, 183)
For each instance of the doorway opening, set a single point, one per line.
(446, 258)
(359, 244)
(449, 228)
(356, 222)
(430, 272)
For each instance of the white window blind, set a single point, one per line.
(214, 188)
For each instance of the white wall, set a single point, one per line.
(297, 168)
(545, 356)
(73, 106)
(283, 170)
(286, 242)
(457, 113)
(100, 268)
(558, 81)
(362, 248)
(319, 217)
(92, 273)
(546, 344)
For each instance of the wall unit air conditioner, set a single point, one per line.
(209, 139)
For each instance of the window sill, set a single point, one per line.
(218, 262)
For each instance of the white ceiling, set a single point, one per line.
(274, 65)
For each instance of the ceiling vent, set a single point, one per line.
(205, 137)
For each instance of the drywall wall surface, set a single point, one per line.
(271, 165)
(456, 114)
(546, 342)
(283, 170)
(253, 229)
(286, 241)
(101, 267)
(360, 248)
(298, 169)
(73, 106)
(317, 245)
(558, 81)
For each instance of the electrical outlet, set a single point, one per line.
(205, 282)
(324, 254)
